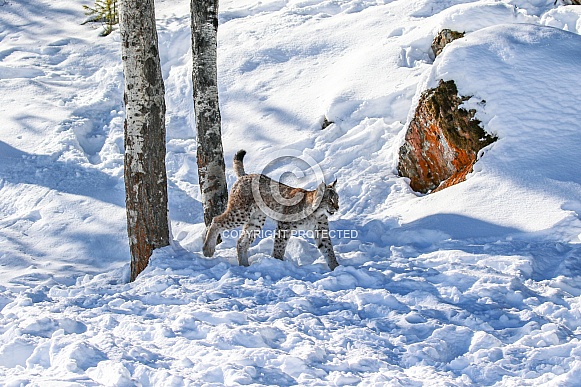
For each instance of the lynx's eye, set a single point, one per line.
(333, 205)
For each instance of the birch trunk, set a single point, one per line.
(210, 154)
(145, 174)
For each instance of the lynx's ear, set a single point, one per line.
(319, 193)
(332, 185)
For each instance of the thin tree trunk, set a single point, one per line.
(210, 154)
(145, 174)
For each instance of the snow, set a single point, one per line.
(477, 284)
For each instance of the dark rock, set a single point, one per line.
(442, 141)
(326, 123)
(444, 37)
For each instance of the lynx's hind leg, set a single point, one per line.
(228, 220)
(249, 232)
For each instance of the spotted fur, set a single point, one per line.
(291, 208)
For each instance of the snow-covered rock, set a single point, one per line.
(442, 140)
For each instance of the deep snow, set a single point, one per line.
(478, 284)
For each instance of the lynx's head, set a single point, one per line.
(327, 198)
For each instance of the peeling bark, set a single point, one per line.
(210, 154)
(144, 167)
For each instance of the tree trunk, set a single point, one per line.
(145, 175)
(210, 154)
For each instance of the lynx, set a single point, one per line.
(254, 197)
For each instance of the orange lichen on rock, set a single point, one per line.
(442, 141)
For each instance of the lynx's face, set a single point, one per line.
(331, 200)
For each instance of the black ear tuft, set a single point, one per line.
(332, 185)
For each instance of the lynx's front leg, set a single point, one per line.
(281, 237)
(323, 241)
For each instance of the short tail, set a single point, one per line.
(239, 164)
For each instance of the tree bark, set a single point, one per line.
(144, 167)
(210, 154)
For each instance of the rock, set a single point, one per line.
(326, 123)
(444, 37)
(442, 141)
